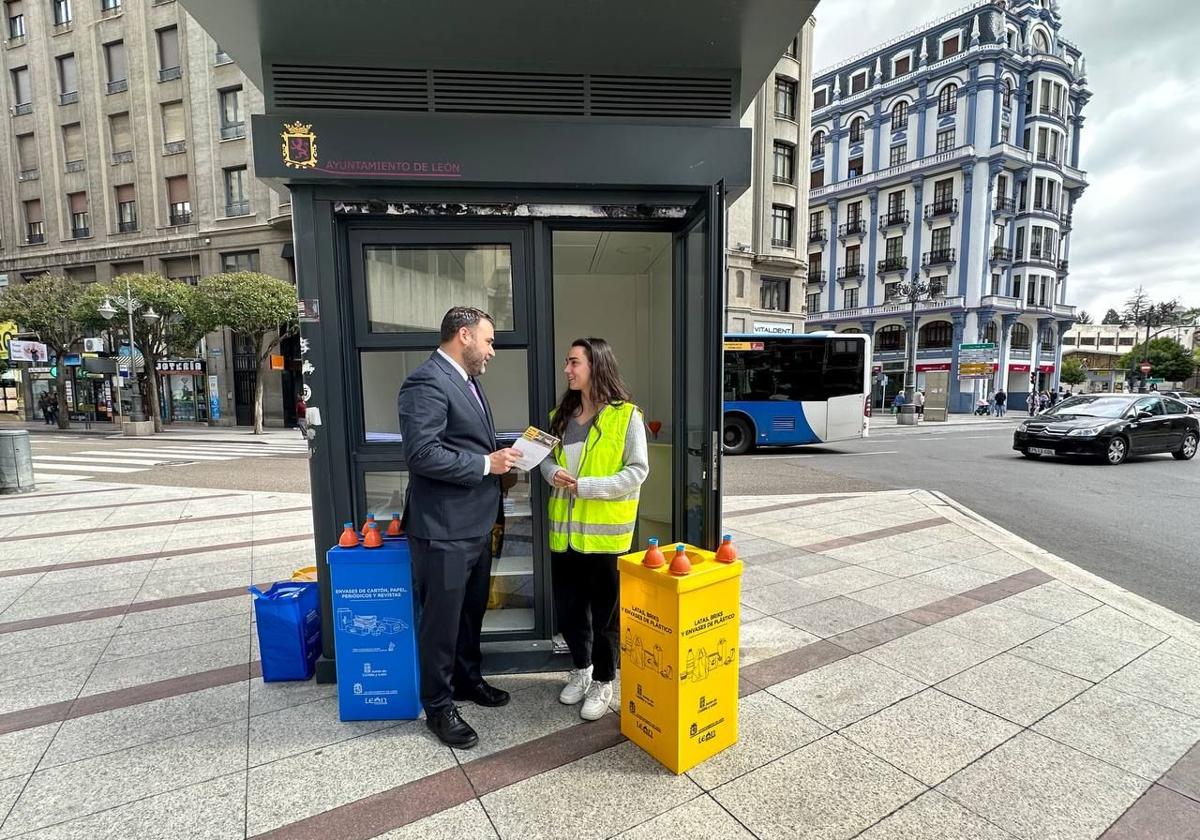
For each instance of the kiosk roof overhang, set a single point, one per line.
(740, 39)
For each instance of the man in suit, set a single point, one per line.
(453, 501)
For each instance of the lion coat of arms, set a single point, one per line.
(299, 145)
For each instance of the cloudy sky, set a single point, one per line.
(1139, 219)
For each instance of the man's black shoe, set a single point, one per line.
(482, 695)
(451, 729)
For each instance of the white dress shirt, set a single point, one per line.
(487, 462)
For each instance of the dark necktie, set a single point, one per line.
(475, 390)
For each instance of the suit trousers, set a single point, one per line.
(450, 582)
(587, 590)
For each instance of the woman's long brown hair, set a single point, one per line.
(607, 386)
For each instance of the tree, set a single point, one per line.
(1136, 308)
(257, 306)
(181, 325)
(1111, 317)
(1168, 359)
(1082, 317)
(53, 306)
(1073, 371)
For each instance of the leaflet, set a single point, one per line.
(534, 446)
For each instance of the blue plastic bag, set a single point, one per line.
(289, 630)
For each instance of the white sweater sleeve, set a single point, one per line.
(631, 477)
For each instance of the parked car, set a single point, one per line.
(1111, 427)
(1192, 400)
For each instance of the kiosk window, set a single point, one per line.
(410, 288)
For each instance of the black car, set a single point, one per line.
(1111, 427)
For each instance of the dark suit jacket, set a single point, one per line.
(445, 432)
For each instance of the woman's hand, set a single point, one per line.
(564, 479)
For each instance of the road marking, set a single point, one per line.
(45, 476)
(98, 459)
(85, 468)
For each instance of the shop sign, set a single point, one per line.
(933, 366)
(179, 366)
(276, 362)
(214, 399)
(1019, 368)
(27, 351)
(773, 327)
(8, 331)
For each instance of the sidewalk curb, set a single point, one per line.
(1133, 605)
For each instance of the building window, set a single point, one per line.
(109, 5)
(893, 251)
(1008, 94)
(900, 116)
(854, 167)
(222, 57)
(850, 299)
(814, 268)
(945, 140)
(856, 129)
(78, 205)
(898, 154)
(781, 225)
(816, 221)
(995, 284)
(1125, 341)
(853, 214)
(114, 61)
(816, 178)
(937, 335)
(858, 82)
(854, 267)
(1021, 339)
(74, 151)
(939, 240)
(62, 12)
(237, 197)
(948, 99)
(1041, 44)
(821, 98)
(233, 121)
(901, 66)
(68, 79)
(812, 302)
(889, 339)
(951, 46)
(943, 195)
(988, 334)
(741, 284)
(126, 208)
(168, 54)
(22, 94)
(818, 144)
(179, 200)
(239, 261)
(785, 163)
(35, 231)
(16, 20)
(773, 293)
(785, 98)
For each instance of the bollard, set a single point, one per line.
(679, 657)
(16, 462)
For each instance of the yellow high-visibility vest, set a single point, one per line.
(597, 526)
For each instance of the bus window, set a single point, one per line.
(843, 372)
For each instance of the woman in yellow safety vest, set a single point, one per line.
(596, 474)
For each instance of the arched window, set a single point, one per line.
(851, 331)
(1012, 39)
(1008, 93)
(935, 336)
(1041, 43)
(900, 116)
(988, 335)
(856, 129)
(889, 339)
(948, 99)
(1020, 337)
(818, 144)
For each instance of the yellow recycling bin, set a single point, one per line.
(679, 657)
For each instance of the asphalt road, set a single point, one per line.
(1137, 525)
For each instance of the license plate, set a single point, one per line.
(1038, 450)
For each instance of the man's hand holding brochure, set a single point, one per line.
(534, 446)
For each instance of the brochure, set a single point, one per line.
(534, 446)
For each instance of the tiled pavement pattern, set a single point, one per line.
(908, 672)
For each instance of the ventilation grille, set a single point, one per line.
(783, 424)
(488, 92)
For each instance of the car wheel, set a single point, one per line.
(1187, 449)
(1116, 451)
(1029, 454)
(738, 437)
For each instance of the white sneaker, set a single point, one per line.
(578, 682)
(599, 695)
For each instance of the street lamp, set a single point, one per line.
(914, 291)
(130, 304)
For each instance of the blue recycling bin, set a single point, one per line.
(374, 632)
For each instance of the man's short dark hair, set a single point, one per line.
(458, 317)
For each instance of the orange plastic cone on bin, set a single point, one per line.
(349, 538)
(373, 539)
(653, 558)
(394, 529)
(367, 525)
(726, 553)
(680, 564)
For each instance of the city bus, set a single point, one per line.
(790, 390)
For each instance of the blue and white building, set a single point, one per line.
(951, 153)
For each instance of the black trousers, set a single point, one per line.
(450, 582)
(586, 595)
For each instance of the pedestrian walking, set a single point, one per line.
(919, 400)
(453, 503)
(897, 402)
(302, 417)
(44, 407)
(1001, 402)
(596, 473)
(1043, 401)
(1031, 402)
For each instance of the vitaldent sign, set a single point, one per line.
(773, 327)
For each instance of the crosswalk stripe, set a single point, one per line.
(41, 476)
(216, 450)
(99, 459)
(96, 468)
(167, 455)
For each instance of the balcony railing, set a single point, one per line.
(890, 264)
(127, 227)
(781, 243)
(818, 235)
(76, 165)
(854, 227)
(1050, 111)
(943, 256)
(854, 184)
(949, 207)
(123, 156)
(1006, 205)
(893, 219)
(81, 232)
(1000, 254)
(849, 272)
(180, 219)
(175, 147)
(816, 276)
(68, 98)
(238, 130)
(22, 108)
(29, 174)
(237, 208)
(35, 238)
(902, 307)
(118, 86)
(1066, 221)
(167, 74)
(1064, 266)
(1046, 157)
(1042, 259)
(999, 302)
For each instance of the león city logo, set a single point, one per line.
(299, 145)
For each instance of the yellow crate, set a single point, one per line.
(679, 657)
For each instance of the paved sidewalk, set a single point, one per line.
(179, 431)
(909, 671)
